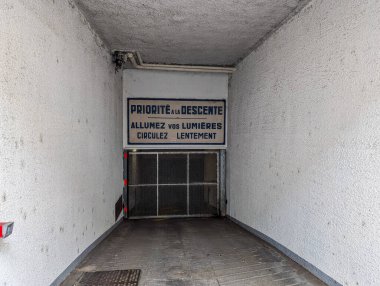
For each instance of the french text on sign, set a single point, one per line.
(154, 121)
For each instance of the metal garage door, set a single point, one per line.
(173, 184)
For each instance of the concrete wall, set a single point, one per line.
(169, 84)
(304, 153)
(60, 138)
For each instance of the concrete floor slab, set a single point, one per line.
(188, 252)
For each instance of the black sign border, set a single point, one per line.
(178, 99)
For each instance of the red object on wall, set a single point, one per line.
(125, 155)
(125, 182)
(6, 229)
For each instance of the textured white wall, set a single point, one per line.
(60, 138)
(169, 84)
(304, 153)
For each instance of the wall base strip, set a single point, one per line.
(307, 265)
(80, 258)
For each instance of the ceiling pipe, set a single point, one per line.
(139, 64)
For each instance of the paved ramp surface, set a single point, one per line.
(189, 252)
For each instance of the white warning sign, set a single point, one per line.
(176, 121)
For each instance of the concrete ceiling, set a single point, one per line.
(201, 32)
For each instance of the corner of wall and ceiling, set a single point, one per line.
(300, 7)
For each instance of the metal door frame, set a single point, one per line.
(188, 184)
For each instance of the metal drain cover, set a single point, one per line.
(112, 278)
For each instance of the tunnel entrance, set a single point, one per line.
(173, 184)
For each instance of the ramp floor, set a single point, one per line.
(193, 251)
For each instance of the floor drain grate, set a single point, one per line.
(112, 278)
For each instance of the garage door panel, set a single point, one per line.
(142, 169)
(142, 201)
(172, 200)
(203, 168)
(173, 183)
(203, 199)
(172, 168)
